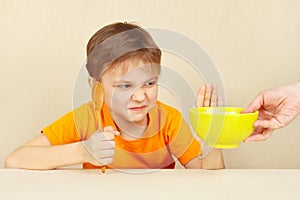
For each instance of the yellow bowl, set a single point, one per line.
(222, 127)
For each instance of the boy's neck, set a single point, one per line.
(133, 134)
(130, 130)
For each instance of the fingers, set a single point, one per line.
(270, 124)
(204, 96)
(103, 136)
(258, 137)
(214, 96)
(200, 96)
(108, 134)
(106, 145)
(111, 129)
(106, 161)
(255, 105)
(101, 145)
(208, 95)
(103, 140)
(104, 154)
(259, 134)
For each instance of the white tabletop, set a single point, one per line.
(158, 184)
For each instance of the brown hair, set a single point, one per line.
(116, 43)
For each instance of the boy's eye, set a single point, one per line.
(124, 86)
(150, 83)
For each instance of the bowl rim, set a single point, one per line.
(195, 110)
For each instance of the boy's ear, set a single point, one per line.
(91, 81)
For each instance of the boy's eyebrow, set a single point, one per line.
(127, 81)
(121, 81)
(153, 78)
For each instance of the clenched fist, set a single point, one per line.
(101, 146)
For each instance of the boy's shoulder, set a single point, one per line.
(169, 109)
(85, 107)
(84, 112)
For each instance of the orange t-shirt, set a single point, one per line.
(167, 134)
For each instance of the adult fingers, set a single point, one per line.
(267, 124)
(255, 105)
(259, 136)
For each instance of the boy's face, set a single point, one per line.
(130, 94)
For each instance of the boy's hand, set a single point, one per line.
(208, 95)
(101, 147)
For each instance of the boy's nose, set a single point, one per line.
(139, 95)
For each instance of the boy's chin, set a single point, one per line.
(139, 120)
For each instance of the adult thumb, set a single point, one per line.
(255, 105)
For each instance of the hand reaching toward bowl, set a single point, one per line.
(277, 108)
(208, 95)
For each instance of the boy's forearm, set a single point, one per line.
(46, 157)
(214, 160)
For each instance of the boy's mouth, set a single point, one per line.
(137, 108)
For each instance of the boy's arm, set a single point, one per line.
(214, 160)
(38, 154)
(208, 95)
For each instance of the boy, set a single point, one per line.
(139, 131)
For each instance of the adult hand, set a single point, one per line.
(101, 146)
(277, 108)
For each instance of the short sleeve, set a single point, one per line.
(74, 126)
(182, 142)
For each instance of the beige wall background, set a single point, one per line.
(254, 44)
